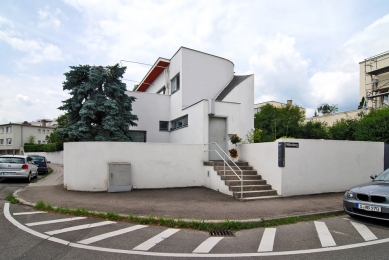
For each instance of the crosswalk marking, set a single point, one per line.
(267, 240)
(324, 234)
(54, 221)
(364, 231)
(110, 234)
(28, 213)
(59, 231)
(207, 245)
(156, 239)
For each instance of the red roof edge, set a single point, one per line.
(153, 73)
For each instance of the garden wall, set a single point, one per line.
(53, 157)
(316, 166)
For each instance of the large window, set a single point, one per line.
(1, 130)
(1, 141)
(385, 100)
(9, 141)
(175, 83)
(8, 129)
(163, 125)
(179, 123)
(138, 136)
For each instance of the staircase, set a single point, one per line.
(254, 187)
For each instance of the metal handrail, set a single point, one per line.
(225, 162)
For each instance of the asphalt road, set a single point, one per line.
(296, 241)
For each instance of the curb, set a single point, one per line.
(256, 220)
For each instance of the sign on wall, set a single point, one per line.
(281, 154)
(291, 145)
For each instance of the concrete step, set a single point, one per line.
(245, 177)
(263, 197)
(250, 187)
(258, 193)
(221, 163)
(220, 168)
(245, 182)
(229, 172)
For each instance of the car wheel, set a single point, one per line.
(28, 179)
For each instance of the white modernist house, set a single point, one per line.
(193, 98)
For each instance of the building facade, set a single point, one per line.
(13, 136)
(193, 98)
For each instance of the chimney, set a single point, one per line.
(289, 102)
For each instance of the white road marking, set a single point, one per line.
(364, 231)
(13, 221)
(59, 231)
(207, 245)
(267, 240)
(156, 239)
(28, 213)
(53, 221)
(110, 234)
(324, 234)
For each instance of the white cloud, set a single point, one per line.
(50, 17)
(25, 100)
(4, 21)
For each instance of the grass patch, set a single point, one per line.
(179, 223)
(50, 170)
(11, 198)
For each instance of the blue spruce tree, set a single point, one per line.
(98, 109)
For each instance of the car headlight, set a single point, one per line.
(349, 194)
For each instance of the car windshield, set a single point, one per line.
(383, 176)
(38, 159)
(11, 160)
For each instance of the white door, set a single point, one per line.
(218, 134)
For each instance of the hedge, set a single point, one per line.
(51, 147)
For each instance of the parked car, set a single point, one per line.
(18, 167)
(369, 199)
(41, 162)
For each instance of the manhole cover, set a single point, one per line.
(221, 233)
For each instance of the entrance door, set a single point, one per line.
(218, 134)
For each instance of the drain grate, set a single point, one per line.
(221, 233)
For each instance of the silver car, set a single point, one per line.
(369, 199)
(18, 167)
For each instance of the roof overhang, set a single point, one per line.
(158, 67)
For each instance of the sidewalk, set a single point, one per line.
(186, 203)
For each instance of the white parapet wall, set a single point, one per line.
(317, 166)
(53, 157)
(153, 165)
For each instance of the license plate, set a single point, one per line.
(8, 173)
(369, 208)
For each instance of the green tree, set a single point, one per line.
(343, 129)
(327, 109)
(313, 130)
(62, 121)
(31, 139)
(361, 103)
(277, 122)
(374, 126)
(98, 109)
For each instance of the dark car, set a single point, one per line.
(369, 199)
(41, 162)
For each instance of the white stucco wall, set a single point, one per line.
(153, 165)
(53, 157)
(244, 95)
(317, 166)
(204, 76)
(213, 181)
(150, 109)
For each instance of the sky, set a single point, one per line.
(303, 50)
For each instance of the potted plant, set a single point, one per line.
(235, 139)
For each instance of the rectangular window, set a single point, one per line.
(8, 129)
(43, 142)
(9, 141)
(163, 125)
(1, 130)
(162, 91)
(39, 131)
(1, 141)
(179, 123)
(175, 83)
(39, 141)
(48, 131)
(43, 131)
(138, 136)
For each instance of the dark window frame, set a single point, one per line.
(176, 78)
(162, 91)
(179, 123)
(164, 129)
